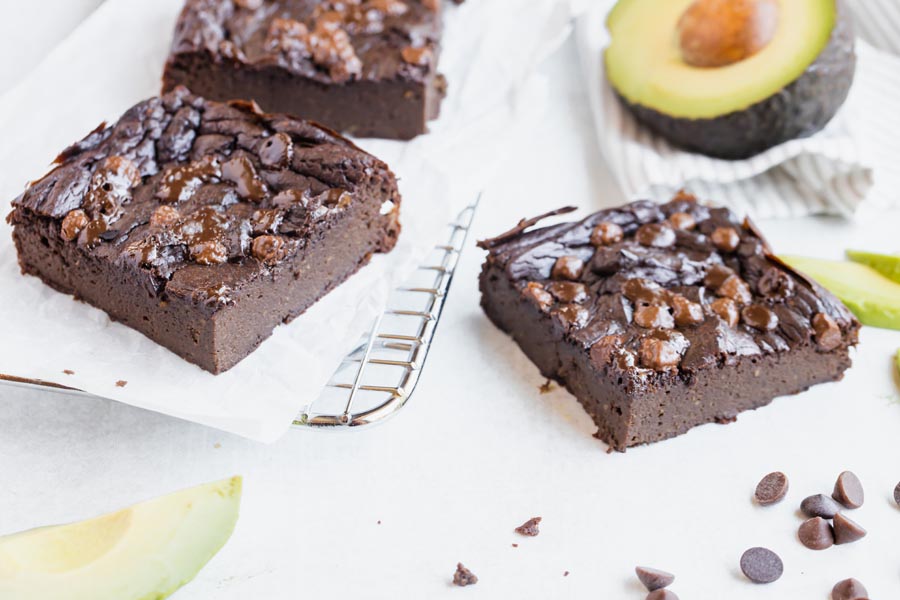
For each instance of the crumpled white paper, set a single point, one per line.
(113, 60)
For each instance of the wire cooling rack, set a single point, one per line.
(377, 379)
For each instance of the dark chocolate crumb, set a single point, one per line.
(378, 522)
(529, 527)
(69, 372)
(565, 573)
(463, 576)
(121, 383)
(515, 545)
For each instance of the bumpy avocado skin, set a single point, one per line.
(798, 110)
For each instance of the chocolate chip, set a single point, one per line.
(529, 527)
(572, 315)
(654, 579)
(266, 221)
(662, 595)
(567, 291)
(819, 505)
(761, 565)
(816, 534)
(653, 317)
(848, 490)
(121, 383)
(828, 333)
(772, 488)
(164, 216)
(605, 234)
(463, 576)
(567, 267)
(849, 589)
(332, 48)
(897, 494)
(269, 249)
(643, 291)
(716, 276)
(241, 172)
(277, 151)
(759, 317)
(657, 235)
(682, 220)
(179, 183)
(726, 309)
(846, 531)
(535, 292)
(735, 288)
(603, 350)
(726, 239)
(686, 313)
(72, 224)
(209, 253)
(776, 284)
(659, 354)
(417, 56)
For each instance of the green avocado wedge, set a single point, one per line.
(873, 298)
(886, 264)
(144, 552)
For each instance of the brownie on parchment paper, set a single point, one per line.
(364, 67)
(205, 225)
(661, 318)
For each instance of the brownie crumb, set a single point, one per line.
(515, 545)
(463, 576)
(529, 527)
(69, 372)
(546, 387)
(565, 573)
(378, 522)
(121, 383)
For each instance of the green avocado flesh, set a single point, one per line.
(645, 66)
(886, 264)
(145, 552)
(873, 298)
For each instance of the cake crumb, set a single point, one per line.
(463, 576)
(217, 445)
(121, 383)
(69, 372)
(515, 545)
(529, 527)
(546, 387)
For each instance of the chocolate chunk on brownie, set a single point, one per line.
(205, 225)
(364, 67)
(661, 318)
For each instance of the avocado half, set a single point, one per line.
(790, 88)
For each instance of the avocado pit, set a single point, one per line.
(718, 33)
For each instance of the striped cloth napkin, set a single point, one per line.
(851, 167)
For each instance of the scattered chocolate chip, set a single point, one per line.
(277, 151)
(572, 315)
(828, 333)
(716, 276)
(735, 288)
(164, 216)
(761, 565)
(567, 291)
(726, 309)
(848, 490)
(819, 505)
(463, 576)
(643, 291)
(535, 292)
(269, 249)
(605, 234)
(759, 317)
(659, 354)
(772, 488)
(565, 573)
(209, 253)
(68, 371)
(266, 221)
(849, 589)
(654, 579)
(657, 235)
(515, 545)
(241, 172)
(662, 595)
(530, 527)
(72, 224)
(653, 317)
(121, 383)
(776, 284)
(567, 267)
(683, 221)
(685, 312)
(726, 239)
(897, 494)
(846, 531)
(816, 534)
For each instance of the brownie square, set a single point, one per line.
(661, 318)
(364, 67)
(205, 225)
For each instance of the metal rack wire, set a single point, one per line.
(377, 379)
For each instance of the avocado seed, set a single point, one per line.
(717, 33)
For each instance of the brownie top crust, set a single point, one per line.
(666, 290)
(331, 41)
(197, 198)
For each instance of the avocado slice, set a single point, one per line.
(886, 264)
(767, 78)
(873, 298)
(144, 552)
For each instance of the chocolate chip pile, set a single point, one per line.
(656, 582)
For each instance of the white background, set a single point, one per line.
(479, 450)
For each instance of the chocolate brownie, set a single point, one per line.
(364, 67)
(661, 318)
(204, 225)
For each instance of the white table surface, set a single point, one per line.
(479, 450)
